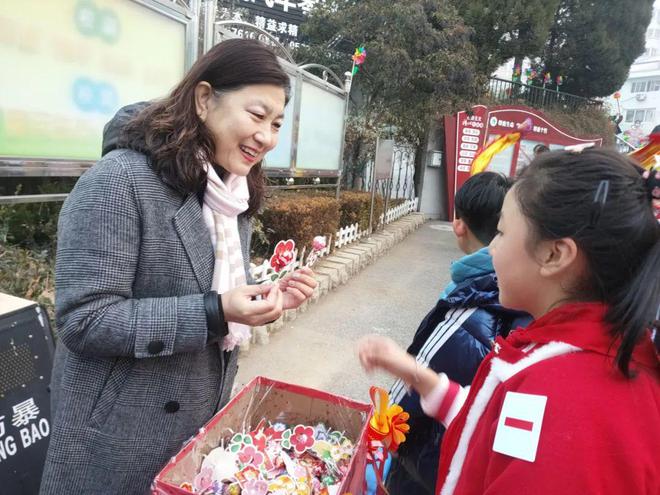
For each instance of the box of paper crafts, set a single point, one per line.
(274, 438)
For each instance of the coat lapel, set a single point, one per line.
(196, 240)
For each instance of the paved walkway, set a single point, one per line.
(389, 297)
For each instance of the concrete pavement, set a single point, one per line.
(388, 297)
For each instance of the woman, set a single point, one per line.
(151, 269)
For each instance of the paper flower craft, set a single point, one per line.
(302, 438)
(283, 255)
(389, 421)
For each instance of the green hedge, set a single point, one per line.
(28, 234)
(299, 217)
(355, 208)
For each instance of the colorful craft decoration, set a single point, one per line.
(387, 430)
(560, 80)
(318, 245)
(298, 460)
(485, 156)
(388, 424)
(358, 58)
(616, 96)
(517, 73)
(646, 155)
(547, 78)
(284, 255)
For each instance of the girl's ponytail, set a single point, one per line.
(602, 200)
(635, 307)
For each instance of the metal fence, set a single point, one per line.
(402, 181)
(517, 93)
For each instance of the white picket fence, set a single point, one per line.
(399, 211)
(343, 237)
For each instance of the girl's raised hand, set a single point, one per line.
(378, 352)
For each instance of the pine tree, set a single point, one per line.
(593, 44)
(420, 63)
(505, 29)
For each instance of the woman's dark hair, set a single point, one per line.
(170, 132)
(599, 199)
(479, 201)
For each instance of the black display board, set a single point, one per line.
(26, 356)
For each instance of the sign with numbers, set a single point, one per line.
(26, 351)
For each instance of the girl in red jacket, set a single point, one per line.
(571, 404)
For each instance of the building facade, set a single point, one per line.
(639, 101)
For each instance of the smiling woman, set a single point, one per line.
(151, 294)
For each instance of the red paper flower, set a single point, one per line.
(283, 255)
(259, 441)
(302, 438)
(274, 432)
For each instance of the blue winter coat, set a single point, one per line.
(453, 338)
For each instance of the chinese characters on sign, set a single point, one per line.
(280, 18)
(470, 136)
(31, 428)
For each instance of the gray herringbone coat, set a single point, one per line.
(133, 376)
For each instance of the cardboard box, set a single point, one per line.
(273, 401)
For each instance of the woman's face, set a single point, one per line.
(245, 124)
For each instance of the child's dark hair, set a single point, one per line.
(479, 201)
(599, 199)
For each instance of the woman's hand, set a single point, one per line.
(239, 304)
(297, 287)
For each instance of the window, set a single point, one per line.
(638, 87)
(653, 85)
(641, 114)
(644, 86)
(653, 34)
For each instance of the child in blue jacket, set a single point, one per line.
(457, 333)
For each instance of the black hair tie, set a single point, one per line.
(600, 198)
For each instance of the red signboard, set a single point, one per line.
(468, 131)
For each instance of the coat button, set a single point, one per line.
(155, 346)
(172, 406)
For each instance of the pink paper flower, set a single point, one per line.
(251, 456)
(203, 480)
(255, 487)
(302, 438)
(283, 255)
(318, 244)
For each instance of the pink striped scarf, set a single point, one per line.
(223, 202)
